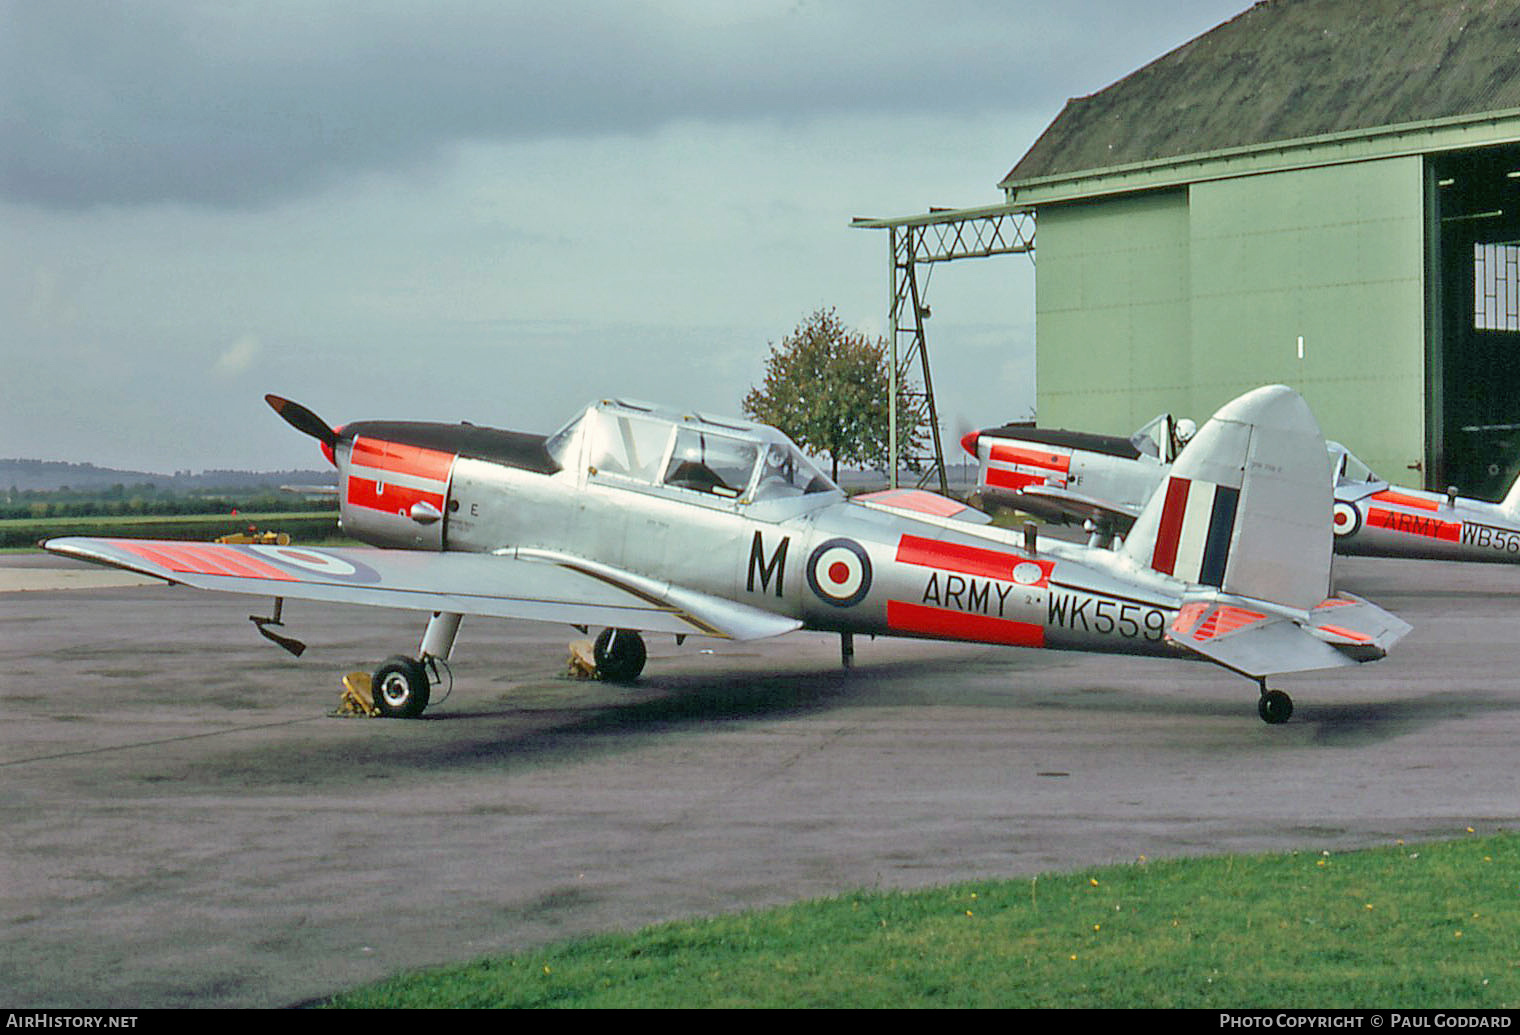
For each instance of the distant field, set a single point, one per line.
(302, 526)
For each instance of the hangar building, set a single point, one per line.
(1323, 193)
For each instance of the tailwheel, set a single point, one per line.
(401, 688)
(619, 655)
(1274, 707)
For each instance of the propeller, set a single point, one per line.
(303, 420)
(966, 434)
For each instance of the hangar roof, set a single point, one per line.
(1290, 70)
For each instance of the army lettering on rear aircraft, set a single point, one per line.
(775, 566)
(1414, 524)
(1106, 616)
(965, 593)
(1488, 537)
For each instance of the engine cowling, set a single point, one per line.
(394, 494)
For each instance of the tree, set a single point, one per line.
(827, 388)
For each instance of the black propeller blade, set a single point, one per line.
(303, 420)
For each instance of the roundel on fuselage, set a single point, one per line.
(1346, 520)
(839, 571)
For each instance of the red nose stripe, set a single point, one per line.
(393, 499)
(1031, 457)
(1014, 480)
(401, 459)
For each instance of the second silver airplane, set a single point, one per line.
(1065, 475)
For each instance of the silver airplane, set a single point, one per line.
(1106, 480)
(646, 520)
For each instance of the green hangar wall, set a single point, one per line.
(1179, 300)
(1317, 193)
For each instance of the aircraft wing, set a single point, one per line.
(518, 584)
(1047, 499)
(1256, 640)
(918, 502)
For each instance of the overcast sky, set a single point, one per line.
(496, 211)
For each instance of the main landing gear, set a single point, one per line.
(402, 687)
(1275, 706)
(619, 655)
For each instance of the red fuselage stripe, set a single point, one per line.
(1404, 499)
(968, 560)
(937, 622)
(1415, 524)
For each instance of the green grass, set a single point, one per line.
(305, 526)
(1431, 925)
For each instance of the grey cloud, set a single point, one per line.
(247, 104)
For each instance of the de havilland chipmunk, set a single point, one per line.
(646, 520)
(1105, 479)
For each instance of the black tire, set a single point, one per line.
(1275, 707)
(400, 688)
(619, 655)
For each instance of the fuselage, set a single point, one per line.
(736, 516)
(644, 520)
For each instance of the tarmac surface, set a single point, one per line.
(185, 825)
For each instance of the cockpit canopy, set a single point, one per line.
(1347, 467)
(1163, 437)
(722, 457)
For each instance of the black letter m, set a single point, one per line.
(775, 566)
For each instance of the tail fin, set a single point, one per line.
(1246, 507)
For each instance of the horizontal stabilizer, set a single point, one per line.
(1258, 639)
(1357, 627)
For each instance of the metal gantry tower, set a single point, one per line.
(940, 236)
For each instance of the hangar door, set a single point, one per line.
(1473, 338)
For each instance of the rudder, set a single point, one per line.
(1246, 507)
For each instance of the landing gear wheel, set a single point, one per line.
(400, 688)
(1274, 707)
(619, 655)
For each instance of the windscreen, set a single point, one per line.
(711, 463)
